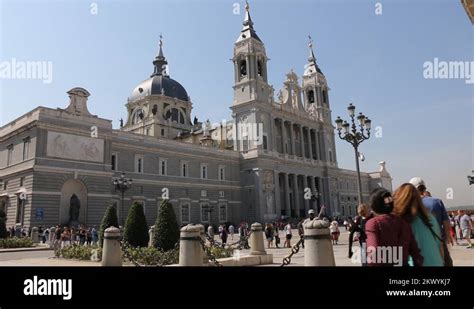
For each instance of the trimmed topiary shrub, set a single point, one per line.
(3, 228)
(136, 228)
(166, 233)
(109, 219)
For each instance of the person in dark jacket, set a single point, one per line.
(388, 232)
(359, 226)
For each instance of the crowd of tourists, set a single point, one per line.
(410, 219)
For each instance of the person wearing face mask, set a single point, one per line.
(390, 232)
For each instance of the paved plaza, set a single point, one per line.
(8, 257)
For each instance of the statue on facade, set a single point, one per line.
(74, 207)
(121, 122)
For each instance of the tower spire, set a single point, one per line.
(311, 58)
(160, 61)
(248, 31)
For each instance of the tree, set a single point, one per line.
(136, 228)
(109, 219)
(166, 233)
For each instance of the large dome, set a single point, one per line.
(159, 84)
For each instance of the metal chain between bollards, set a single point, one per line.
(209, 254)
(241, 243)
(295, 249)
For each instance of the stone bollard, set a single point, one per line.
(34, 235)
(257, 246)
(190, 248)
(202, 232)
(151, 234)
(112, 251)
(317, 244)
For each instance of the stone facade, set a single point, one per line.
(254, 168)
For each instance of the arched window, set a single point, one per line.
(175, 115)
(259, 68)
(243, 68)
(311, 96)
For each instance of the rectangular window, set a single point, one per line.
(163, 166)
(223, 212)
(139, 162)
(265, 142)
(203, 171)
(221, 194)
(26, 148)
(205, 212)
(162, 132)
(221, 172)
(9, 155)
(185, 213)
(113, 162)
(5, 185)
(203, 193)
(22, 181)
(184, 169)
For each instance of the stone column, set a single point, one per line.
(305, 185)
(277, 194)
(190, 248)
(313, 191)
(318, 145)
(296, 195)
(112, 251)
(320, 190)
(34, 235)
(283, 136)
(318, 249)
(302, 141)
(292, 139)
(274, 135)
(257, 246)
(287, 195)
(151, 234)
(310, 144)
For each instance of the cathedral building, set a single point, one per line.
(59, 165)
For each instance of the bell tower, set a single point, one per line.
(250, 66)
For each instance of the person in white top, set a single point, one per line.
(288, 235)
(231, 232)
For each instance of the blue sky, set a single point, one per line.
(376, 61)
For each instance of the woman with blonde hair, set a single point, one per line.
(408, 206)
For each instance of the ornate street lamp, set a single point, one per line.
(122, 184)
(350, 134)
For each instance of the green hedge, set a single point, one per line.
(220, 253)
(16, 242)
(79, 252)
(152, 256)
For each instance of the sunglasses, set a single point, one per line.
(388, 199)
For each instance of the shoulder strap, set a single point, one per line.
(432, 232)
